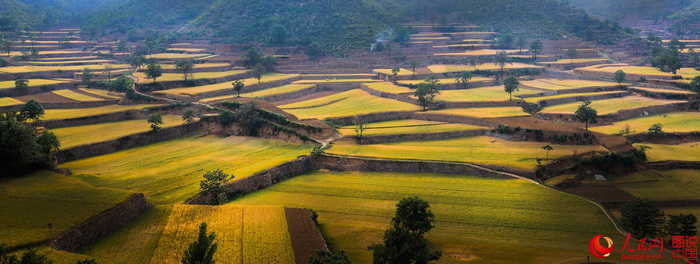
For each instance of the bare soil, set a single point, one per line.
(306, 238)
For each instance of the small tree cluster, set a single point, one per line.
(643, 219)
(213, 185)
(427, 91)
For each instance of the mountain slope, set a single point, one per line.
(15, 15)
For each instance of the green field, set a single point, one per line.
(484, 112)
(447, 81)
(478, 220)
(408, 126)
(679, 122)
(609, 106)
(73, 95)
(682, 152)
(567, 95)
(29, 203)
(32, 83)
(245, 234)
(170, 171)
(178, 56)
(192, 91)
(441, 68)
(558, 85)
(658, 185)
(54, 114)
(84, 135)
(350, 103)
(387, 87)
(485, 94)
(479, 149)
(170, 77)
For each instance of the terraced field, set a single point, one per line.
(169, 77)
(485, 94)
(481, 52)
(9, 101)
(402, 72)
(178, 56)
(31, 69)
(54, 114)
(663, 91)
(103, 93)
(609, 106)
(447, 81)
(658, 185)
(478, 220)
(83, 135)
(484, 112)
(336, 81)
(687, 73)
(390, 88)
(559, 85)
(570, 61)
(350, 103)
(681, 122)
(480, 149)
(32, 83)
(170, 171)
(73, 95)
(568, 95)
(440, 68)
(682, 152)
(245, 234)
(193, 91)
(290, 88)
(408, 126)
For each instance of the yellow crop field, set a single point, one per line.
(569, 61)
(245, 234)
(678, 122)
(366, 75)
(482, 52)
(197, 65)
(70, 94)
(408, 126)
(447, 81)
(9, 101)
(480, 149)
(387, 87)
(289, 88)
(32, 83)
(102, 93)
(567, 95)
(473, 45)
(485, 94)
(54, 114)
(558, 85)
(681, 152)
(350, 103)
(687, 73)
(337, 81)
(192, 91)
(402, 72)
(660, 90)
(609, 106)
(29, 203)
(69, 61)
(483, 112)
(477, 220)
(169, 77)
(446, 68)
(88, 134)
(30, 68)
(67, 58)
(170, 172)
(178, 56)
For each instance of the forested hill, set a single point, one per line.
(15, 15)
(687, 20)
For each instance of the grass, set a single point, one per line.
(687, 73)
(29, 203)
(170, 171)
(408, 126)
(77, 68)
(171, 77)
(479, 220)
(387, 87)
(447, 81)
(178, 56)
(609, 106)
(336, 81)
(479, 149)
(32, 83)
(402, 72)
(9, 101)
(446, 68)
(677, 122)
(484, 112)
(481, 52)
(246, 234)
(682, 152)
(192, 91)
(88, 134)
(99, 92)
(559, 85)
(350, 103)
(485, 94)
(570, 61)
(73, 95)
(568, 95)
(658, 185)
(55, 114)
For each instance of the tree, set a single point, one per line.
(626, 131)
(682, 225)
(414, 65)
(463, 78)
(572, 53)
(108, 70)
(122, 45)
(213, 185)
(314, 50)
(189, 114)
(426, 92)
(394, 73)
(404, 242)
(7, 44)
(278, 34)
(694, 58)
(642, 219)
(256, 56)
(656, 129)
(155, 120)
(32, 110)
(328, 257)
(536, 47)
(510, 84)
(619, 77)
(501, 59)
(238, 85)
(185, 67)
(360, 128)
(547, 148)
(259, 71)
(695, 84)
(137, 61)
(153, 71)
(87, 75)
(522, 42)
(22, 84)
(201, 251)
(586, 114)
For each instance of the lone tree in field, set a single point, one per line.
(155, 120)
(189, 114)
(259, 71)
(426, 92)
(572, 54)
(414, 65)
(238, 86)
(32, 110)
(464, 78)
(536, 47)
(619, 77)
(153, 71)
(22, 84)
(642, 218)
(586, 114)
(511, 85)
(185, 67)
(360, 128)
(547, 148)
(213, 185)
(656, 129)
(682, 225)
(87, 75)
(404, 242)
(395, 73)
(201, 251)
(501, 59)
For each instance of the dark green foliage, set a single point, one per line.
(586, 114)
(427, 91)
(536, 47)
(256, 57)
(320, 149)
(682, 225)
(503, 129)
(619, 76)
(328, 257)
(314, 50)
(213, 185)
(87, 75)
(22, 84)
(642, 218)
(189, 114)
(226, 119)
(667, 59)
(15, 15)
(656, 129)
(201, 251)
(121, 84)
(155, 120)
(153, 71)
(695, 84)
(278, 34)
(510, 85)
(32, 110)
(185, 67)
(29, 257)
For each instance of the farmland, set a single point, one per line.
(32, 83)
(83, 135)
(54, 114)
(568, 95)
(659, 185)
(485, 94)
(167, 77)
(682, 152)
(446, 80)
(687, 73)
(609, 106)
(192, 91)
(350, 103)
(681, 122)
(558, 85)
(407, 127)
(70, 94)
(387, 87)
(31, 69)
(484, 112)
(437, 69)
